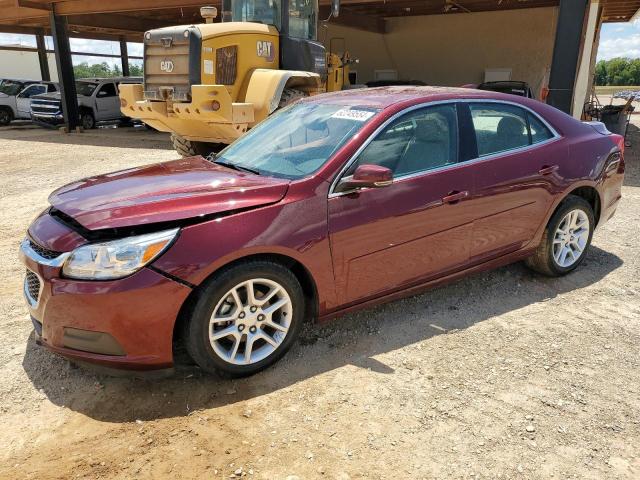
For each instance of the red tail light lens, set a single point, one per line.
(619, 139)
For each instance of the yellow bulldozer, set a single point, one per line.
(208, 84)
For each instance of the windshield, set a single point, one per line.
(260, 11)
(85, 89)
(11, 88)
(297, 140)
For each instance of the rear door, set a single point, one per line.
(516, 176)
(388, 238)
(107, 102)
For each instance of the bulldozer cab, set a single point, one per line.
(297, 24)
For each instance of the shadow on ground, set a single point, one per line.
(103, 136)
(349, 340)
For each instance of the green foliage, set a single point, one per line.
(618, 71)
(84, 70)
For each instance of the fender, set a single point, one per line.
(535, 241)
(266, 86)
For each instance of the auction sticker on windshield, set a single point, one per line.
(350, 114)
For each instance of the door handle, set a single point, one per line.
(455, 196)
(548, 169)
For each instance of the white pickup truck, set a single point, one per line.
(15, 98)
(98, 101)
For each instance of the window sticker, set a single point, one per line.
(350, 114)
(208, 67)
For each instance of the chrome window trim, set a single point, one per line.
(555, 136)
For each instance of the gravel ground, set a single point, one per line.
(502, 375)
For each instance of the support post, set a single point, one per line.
(566, 53)
(45, 75)
(69, 98)
(124, 57)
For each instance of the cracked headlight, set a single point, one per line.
(117, 258)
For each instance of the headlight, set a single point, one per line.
(116, 259)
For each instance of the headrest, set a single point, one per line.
(432, 129)
(510, 126)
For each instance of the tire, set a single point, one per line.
(188, 148)
(87, 120)
(290, 95)
(217, 300)
(6, 116)
(544, 259)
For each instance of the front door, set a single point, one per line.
(515, 177)
(107, 102)
(23, 100)
(385, 239)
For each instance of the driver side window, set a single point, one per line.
(32, 90)
(107, 90)
(418, 141)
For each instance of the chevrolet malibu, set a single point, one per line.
(333, 204)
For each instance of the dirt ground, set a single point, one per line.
(503, 375)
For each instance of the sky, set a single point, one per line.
(619, 40)
(616, 40)
(79, 45)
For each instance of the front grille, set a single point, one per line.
(43, 252)
(226, 65)
(45, 107)
(32, 287)
(171, 63)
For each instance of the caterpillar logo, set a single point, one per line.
(265, 50)
(166, 66)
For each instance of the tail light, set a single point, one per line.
(226, 65)
(619, 139)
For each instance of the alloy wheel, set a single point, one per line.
(571, 237)
(250, 322)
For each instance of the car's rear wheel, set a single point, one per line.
(245, 318)
(5, 116)
(566, 239)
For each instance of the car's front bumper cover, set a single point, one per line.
(126, 323)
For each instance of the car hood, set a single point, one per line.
(48, 96)
(177, 190)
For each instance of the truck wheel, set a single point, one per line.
(290, 95)
(6, 116)
(188, 148)
(87, 121)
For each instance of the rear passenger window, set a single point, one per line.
(539, 132)
(499, 127)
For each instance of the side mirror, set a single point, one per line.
(335, 8)
(366, 176)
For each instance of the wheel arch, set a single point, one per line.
(265, 88)
(301, 272)
(591, 195)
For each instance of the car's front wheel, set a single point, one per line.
(5, 116)
(566, 239)
(245, 318)
(87, 120)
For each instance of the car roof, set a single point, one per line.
(383, 97)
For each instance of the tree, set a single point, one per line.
(84, 70)
(618, 71)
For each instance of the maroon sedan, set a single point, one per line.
(333, 204)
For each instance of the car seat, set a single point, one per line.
(429, 147)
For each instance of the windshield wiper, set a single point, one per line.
(233, 166)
